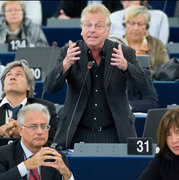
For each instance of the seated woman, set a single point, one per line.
(165, 165)
(33, 10)
(136, 22)
(15, 26)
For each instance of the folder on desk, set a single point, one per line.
(42, 58)
(66, 23)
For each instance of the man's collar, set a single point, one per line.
(4, 101)
(27, 152)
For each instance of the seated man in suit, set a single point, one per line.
(28, 156)
(18, 89)
(142, 101)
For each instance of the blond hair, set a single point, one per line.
(134, 11)
(98, 9)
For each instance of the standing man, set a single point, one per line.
(18, 90)
(96, 108)
(28, 158)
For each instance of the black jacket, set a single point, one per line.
(12, 155)
(114, 87)
(161, 168)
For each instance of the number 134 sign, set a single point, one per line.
(139, 146)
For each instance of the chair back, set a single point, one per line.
(152, 121)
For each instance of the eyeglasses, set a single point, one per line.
(132, 23)
(34, 127)
(11, 10)
(96, 26)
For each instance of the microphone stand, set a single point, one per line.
(90, 64)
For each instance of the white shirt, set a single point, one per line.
(9, 112)
(158, 25)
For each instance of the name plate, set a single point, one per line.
(14, 44)
(37, 72)
(139, 146)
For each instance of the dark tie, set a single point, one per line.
(14, 110)
(34, 174)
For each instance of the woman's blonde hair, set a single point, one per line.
(134, 11)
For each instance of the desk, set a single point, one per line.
(108, 168)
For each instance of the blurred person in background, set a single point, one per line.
(15, 26)
(158, 25)
(33, 11)
(136, 23)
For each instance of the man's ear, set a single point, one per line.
(19, 129)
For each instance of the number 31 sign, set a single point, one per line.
(139, 146)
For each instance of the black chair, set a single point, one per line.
(152, 121)
(41, 59)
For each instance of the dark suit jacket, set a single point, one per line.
(142, 101)
(161, 168)
(51, 107)
(12, 155)
(114, 85)
(74, 8)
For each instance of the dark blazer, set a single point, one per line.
(51, 107)
(142, 101)
(12, 155)
(74, 8)
(114, 85)
(161, 168)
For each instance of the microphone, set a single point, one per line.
(54, 45)
(89, 66)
